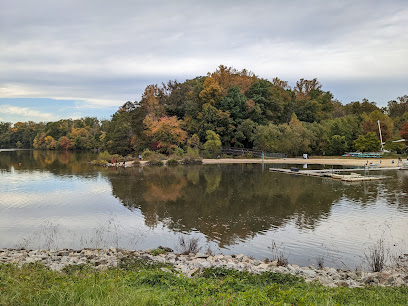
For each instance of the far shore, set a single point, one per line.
(359, 162)
(348, 162)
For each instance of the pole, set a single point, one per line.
(379, 128)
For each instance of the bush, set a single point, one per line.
(179, 152)
(192, 157)
(172, 162)
(99, 162)
(154, 163)
(188, 245)
(193, 153)
(191, 161)
(146, 154)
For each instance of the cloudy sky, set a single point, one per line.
(61, 59)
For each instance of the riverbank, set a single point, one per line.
(194, 264)
(346, 162)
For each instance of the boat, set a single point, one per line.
(363, 155)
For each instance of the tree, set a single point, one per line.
(367, 143)
(337, 145)
(194, 141)
(245, 133)
(64, 143)
(404, 132)
(167, 132)
(215, 120)
(211, 92)
(395, 108)
(235, 104)
(370, 124)
(268, 138)
(150, 101)
(213, 143)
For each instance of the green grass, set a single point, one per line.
(139, 282)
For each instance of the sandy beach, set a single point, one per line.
(359, 162)
(317, 161)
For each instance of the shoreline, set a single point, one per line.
(346, 162)
(194, 263)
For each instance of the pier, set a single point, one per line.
(347, 175)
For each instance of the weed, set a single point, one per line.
(188, 245)
(157, 251)
(320, 262)
(209, 251)
(279, 256)
(376, 256)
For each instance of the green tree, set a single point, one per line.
(367, 143)
(337, 145)
(268, 138)
(213, 143)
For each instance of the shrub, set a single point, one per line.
(188, 245)
(192, 157)
(172, 162)
(99, 162)
(193, 153)
(179, 152)
(155, 163)
(376, 256)
(146, 154)
(191, 161)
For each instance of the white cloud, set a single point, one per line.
(27, 112)
(106, 54)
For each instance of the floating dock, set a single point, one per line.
(339, 174)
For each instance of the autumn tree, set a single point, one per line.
(194, 141)
(64, 143)
(150, 101)
(228, 77)
(404, 132)
(167, 132)
(211, 92)
(370, 124)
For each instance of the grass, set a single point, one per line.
(138, 282)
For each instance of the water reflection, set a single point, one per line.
(224, 203)
(55, 162)
(238, 208)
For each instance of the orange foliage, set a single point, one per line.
(166, 131)
(228, 77)
(211, 92)
(150, 101)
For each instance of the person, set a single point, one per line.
(140, 157)
(124, 163)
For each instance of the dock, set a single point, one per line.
(346, 175)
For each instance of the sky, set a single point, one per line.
(69, 59)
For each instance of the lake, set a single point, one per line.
(52, 199)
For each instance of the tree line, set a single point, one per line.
(228, 108)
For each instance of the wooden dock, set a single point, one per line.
(339, 174)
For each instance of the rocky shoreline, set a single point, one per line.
(192, 264)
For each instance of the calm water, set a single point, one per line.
(56, 200)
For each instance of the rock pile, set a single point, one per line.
(194, 263)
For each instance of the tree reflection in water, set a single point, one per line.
(225, 202)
